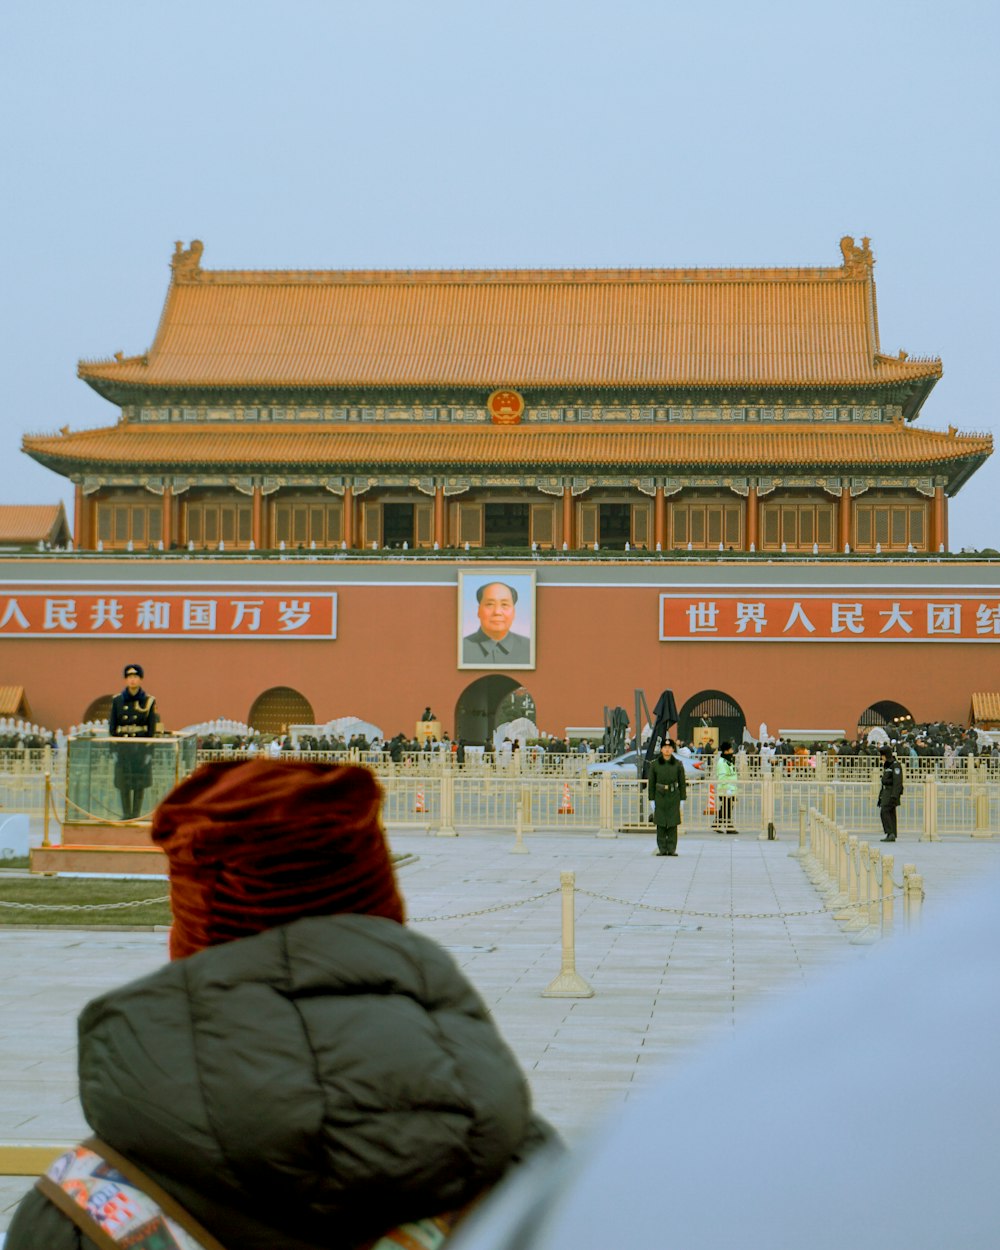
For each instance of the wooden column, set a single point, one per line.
(439, 515)
(166, 525)
(182, 520)
(660, 519)
(567, 516)
(81, 519)
(349, 516)
(257, 518)
(753, 517)
(844, 518)
(939, 520)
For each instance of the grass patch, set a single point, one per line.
(15, 861)
(65, 894)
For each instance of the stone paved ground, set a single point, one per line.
(657, 940)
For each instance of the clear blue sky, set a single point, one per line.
(313, 134)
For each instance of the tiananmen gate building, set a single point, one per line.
(663, 467)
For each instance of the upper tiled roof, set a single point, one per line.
(30, 523)
(599, 328)
(238, 448)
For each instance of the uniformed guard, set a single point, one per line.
(133, 715)
(890, 792)
(667, 789)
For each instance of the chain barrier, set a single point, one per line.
(485, 911)
(139, 902)
(104, 820)
(716, 915)
(625, 902)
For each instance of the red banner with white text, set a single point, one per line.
(74, 611)
(727, 617)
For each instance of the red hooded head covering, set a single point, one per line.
(255, 845)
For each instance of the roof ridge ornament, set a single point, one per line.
(858, 261)
(186, 262)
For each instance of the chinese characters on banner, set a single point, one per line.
(728, 617)
(171, 612)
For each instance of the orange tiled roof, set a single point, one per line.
(986, 706)
(13, 702)
(522, 328)
(236, 447)
(28, 523)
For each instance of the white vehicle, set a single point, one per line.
(627, 766)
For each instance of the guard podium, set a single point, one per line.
(428, 729)
(105, 777)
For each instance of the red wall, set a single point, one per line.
(396, 652)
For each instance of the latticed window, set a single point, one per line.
(890, 524)
(705, 523)
(120, 522)
(799, 524)
(302, 522)
(211, 521)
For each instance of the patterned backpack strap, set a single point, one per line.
(428, 1234)
(116, 1205)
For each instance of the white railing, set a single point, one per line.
(856, 879)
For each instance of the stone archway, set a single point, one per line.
(98, 709)
(277, 708)
(488, 702)
(717, 710)
(893, 717)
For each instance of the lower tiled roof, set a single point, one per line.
(986, 706)
(12, 701)
(683, 447)
(28, 523)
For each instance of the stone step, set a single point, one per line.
(107, 835)
(112, 860)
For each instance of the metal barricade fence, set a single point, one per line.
(478, 796)
(24, 793)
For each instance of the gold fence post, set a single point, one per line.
(981, 808)
(569, 983)
(888, 863)
(519, 848)
(767, 830)
(446, 828)
(855, 921)
(914, 897)
(526, 809)
(874, 864)
(801, 851)
(606, 828)
(838, 898)
(46, 805)
(930, 833)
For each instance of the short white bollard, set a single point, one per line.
(569, 983)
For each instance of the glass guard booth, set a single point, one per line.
(111, 780)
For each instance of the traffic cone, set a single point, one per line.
(566, 806)
(420, 800)
(710, 809)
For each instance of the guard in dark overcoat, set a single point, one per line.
(668, 790)
(890, 792)
(133, 715)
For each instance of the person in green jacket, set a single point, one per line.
(668, 790)
(307, 1073)
(726, 779)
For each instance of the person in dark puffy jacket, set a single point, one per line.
(307, 1073)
